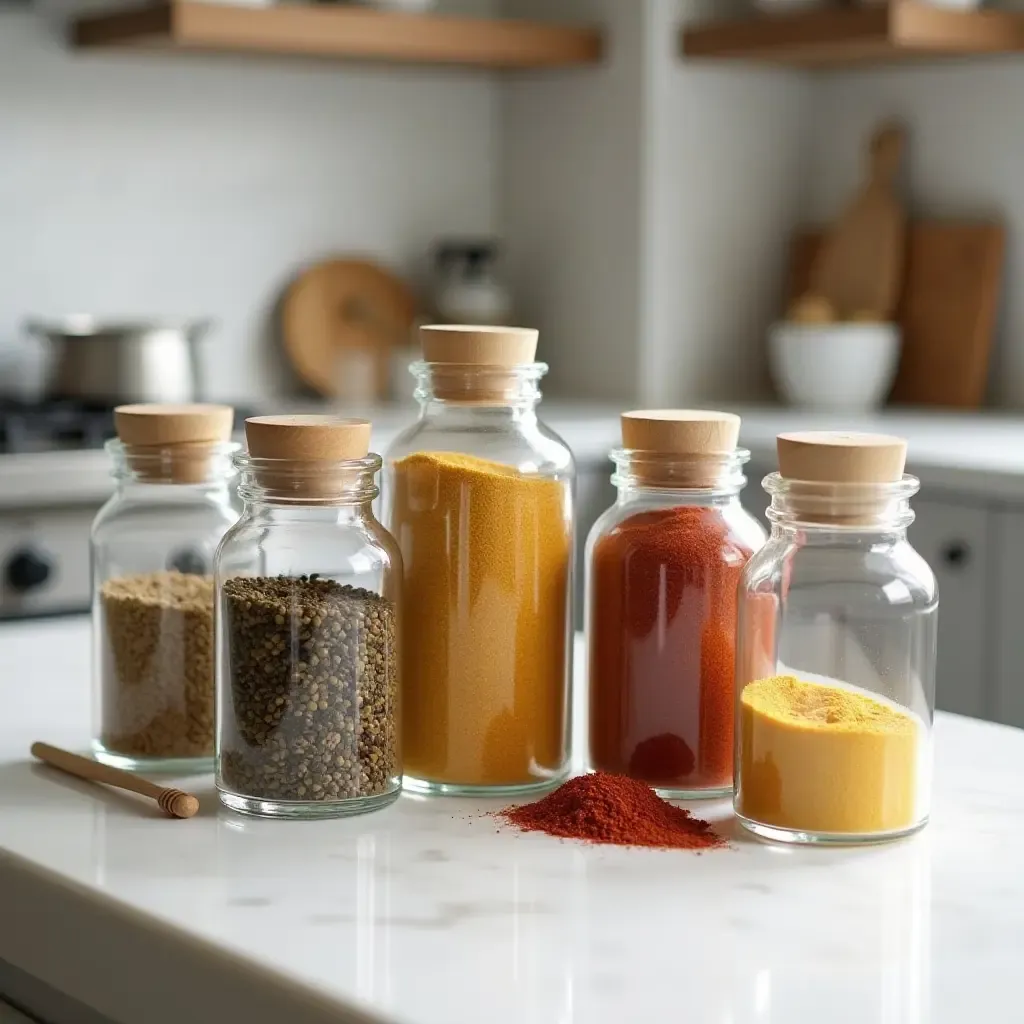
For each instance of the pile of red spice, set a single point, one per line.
(604, 808)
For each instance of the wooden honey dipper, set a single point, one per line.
(173, 802)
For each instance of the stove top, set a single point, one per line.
(56, 426)
(53, 426)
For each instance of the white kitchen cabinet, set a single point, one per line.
(1007, 616)
(954, 538)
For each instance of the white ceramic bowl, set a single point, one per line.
(848, 366)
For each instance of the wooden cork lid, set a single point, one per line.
(478, 346)
(841, 458)
(164, 425)
(307, 438)
(680, 431)
(172, 444)
(679, 448)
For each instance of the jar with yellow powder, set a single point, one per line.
(836, 641)
(479, 495)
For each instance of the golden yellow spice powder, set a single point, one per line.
(487, 554)
(820, 758)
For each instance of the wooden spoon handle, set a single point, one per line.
(171, 801)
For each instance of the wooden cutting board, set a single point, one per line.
(947, 311)
(859, 266)
(340, 307)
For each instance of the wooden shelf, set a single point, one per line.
(354, 33)
(903, 30)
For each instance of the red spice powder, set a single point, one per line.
(662, 632)
(603, 808)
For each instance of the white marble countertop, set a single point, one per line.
(427, 913)
(975, 453)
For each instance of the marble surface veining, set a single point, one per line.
(430, 913)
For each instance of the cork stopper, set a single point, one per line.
(845, 479)
(478, 346)
(679, 447)
(841, 458)
(680, 431)
(164, 425)
(172, 443)
(303, 455)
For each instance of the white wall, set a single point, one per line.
(571, 181)
(966, 158)
(147, 184)
(648, 206)
(725, 175)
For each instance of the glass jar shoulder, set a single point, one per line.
(139, 508)
(525, 444)
(294, 543)
(642, 521)
(879, 569)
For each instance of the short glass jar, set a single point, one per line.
(663, 565)
(836, 652)
(479, 495)
(307, 627)
(152, 547)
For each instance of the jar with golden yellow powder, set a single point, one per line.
(479, 495)
(836, 642)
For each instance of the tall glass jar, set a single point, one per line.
(307, 628)
(836, 653)
(479, 495)
(152, 548)
(663, 565)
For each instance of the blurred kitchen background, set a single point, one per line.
(257, 203)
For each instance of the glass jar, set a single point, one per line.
(479, 496)
(663, 565)
(152, 547)
(307, 627)
(836, 652)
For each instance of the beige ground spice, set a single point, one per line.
(157, 696)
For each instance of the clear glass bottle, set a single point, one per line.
(663, 564)
(152, 547)
(836, 653)
(307, 628)
(479, 495)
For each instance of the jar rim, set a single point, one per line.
(242, 460)
(846, 505)
(188, 463)
(523, 371)
(680, 472)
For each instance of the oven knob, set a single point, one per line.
(27, 570)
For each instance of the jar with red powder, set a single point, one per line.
(663, 566)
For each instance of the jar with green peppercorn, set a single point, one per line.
(307, 627)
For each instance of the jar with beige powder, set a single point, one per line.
(152, 561)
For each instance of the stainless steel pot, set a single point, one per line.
(118, 362)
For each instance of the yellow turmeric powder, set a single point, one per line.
(485, 601)
(819, 758)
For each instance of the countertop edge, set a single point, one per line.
(128, 965)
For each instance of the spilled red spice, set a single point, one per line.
(605, 808)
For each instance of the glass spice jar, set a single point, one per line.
(152, 547)
(307, 628)
(479, 495)
(836, 650)
(663, 565)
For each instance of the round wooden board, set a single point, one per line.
(345, 304)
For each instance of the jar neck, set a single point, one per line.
(828, 512)
(679, 479)
(455, 390)
(299, 485)
(195, 468)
